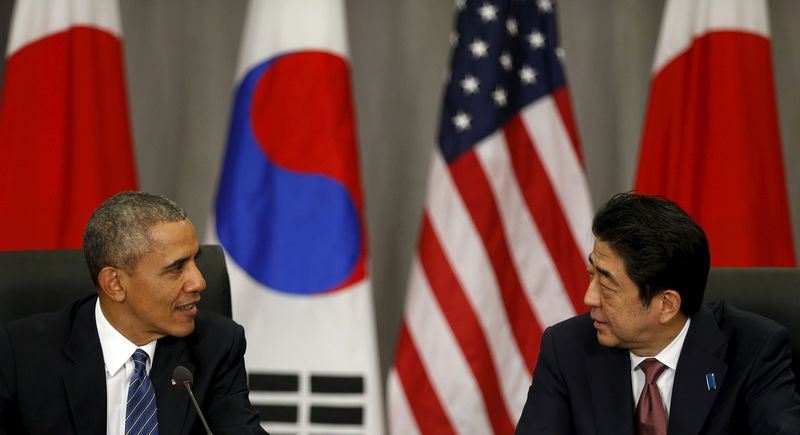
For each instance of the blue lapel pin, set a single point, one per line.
(711, 383)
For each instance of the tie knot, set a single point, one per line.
(139, 359)
(652, 369)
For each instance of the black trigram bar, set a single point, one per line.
(337, 415)
(277, 413)
(273, 382)
(337, 384)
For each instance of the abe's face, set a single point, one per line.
(620, 318)
(162, 291)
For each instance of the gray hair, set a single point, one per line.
(118, 235)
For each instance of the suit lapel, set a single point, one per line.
(691, 397)
(610, 380)
(173, 401)
(85, 382)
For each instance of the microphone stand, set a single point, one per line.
(197, 407)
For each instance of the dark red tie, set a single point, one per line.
(651, 419)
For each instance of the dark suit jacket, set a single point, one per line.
(52, 376)
(582, 387)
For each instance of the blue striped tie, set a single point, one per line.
(141, 416)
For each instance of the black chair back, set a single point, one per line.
(45, 281)
(771, 292)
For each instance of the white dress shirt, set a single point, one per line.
(669, 357)
(117, 352)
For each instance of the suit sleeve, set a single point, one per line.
(547, 409)
(230, 411)
(772, 403)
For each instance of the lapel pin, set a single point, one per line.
(711, 383)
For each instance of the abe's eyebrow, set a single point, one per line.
(603, 272)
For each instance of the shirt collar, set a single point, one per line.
(117, 349)
(670, 354)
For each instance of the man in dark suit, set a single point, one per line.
(104, 364)
(650, 358)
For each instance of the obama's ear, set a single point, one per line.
(110, 282)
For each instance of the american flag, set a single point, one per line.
(505, 232)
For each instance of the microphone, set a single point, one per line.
(182, 376)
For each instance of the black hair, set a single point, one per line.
(661, 246)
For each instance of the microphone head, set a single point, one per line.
(182, 376)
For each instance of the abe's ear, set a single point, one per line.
(111, 284)
(670, 305)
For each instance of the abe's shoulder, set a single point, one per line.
(576, 334)
(735, 321)
(576, 325)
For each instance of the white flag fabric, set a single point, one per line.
(289, 214)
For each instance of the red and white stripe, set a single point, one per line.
(502, 255)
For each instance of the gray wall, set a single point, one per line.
(181, 56)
